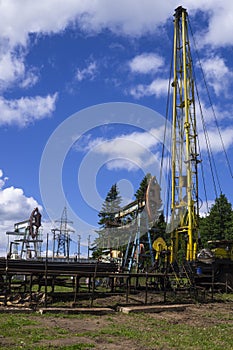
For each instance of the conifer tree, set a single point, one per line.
(106, 234)
(159, 229)
(141, 192)
(218, 225)
(110, 206)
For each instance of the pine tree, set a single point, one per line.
(106, 234)
(218, 224)
(110, 206)
(141, 192)
(159, 229)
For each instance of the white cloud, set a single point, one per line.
(127, 17)
(128, 151)
(30, 78)
(2, 179)
(117, 144)
(11, 68)
(211, 112)
(146, 63)
(218, 75)
(219, 32)
(158, 88)
(87, 73)
(216, 121)
(35, 17)
(205, 207)
(215, 140)
(15, 205)
(119, 164)
(26, 110)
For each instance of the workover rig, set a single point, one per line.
(182, 253)
(184, 191)
(216, 264)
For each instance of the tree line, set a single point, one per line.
(217, 224)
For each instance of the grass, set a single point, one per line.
(162, 334)
(211, 329)
(24, 331)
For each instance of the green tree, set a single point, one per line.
(151, 218)
(218, 225)
(141, 192)
(106, 234)
(110, 206)
(159, 229)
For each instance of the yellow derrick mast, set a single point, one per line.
(184, 200)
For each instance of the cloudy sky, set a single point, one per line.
(80, 81)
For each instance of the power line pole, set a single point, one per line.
(88, 246)
(62, 236)
(79, 247)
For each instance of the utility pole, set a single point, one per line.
(61, 235)
(88, 246)
(79, 247)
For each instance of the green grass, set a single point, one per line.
(158, 334)
(24, 332)
(211, 330)
(162, 334)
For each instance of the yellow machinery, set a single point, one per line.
(221, 249)
(215, 262)
(184, 200)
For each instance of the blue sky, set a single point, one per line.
(99, 65)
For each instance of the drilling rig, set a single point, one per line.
(213, 266)
(184, 184)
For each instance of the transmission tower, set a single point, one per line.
(61, 236)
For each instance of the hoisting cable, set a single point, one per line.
(208, 144)
(201, 164)
(165, 138)
(211, 104)
(212, 163)
(198, 143)
(166, 122)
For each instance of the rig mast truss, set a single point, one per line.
(184, 201)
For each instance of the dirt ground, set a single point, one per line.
(117, 331)
(196, 315)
